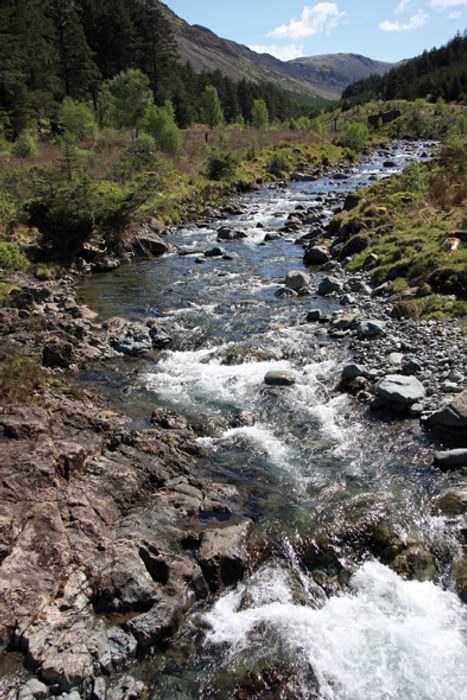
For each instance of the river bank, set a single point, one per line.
(131, 534)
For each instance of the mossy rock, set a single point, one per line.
(416, 562)
(355, 244)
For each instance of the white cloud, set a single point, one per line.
(455, 15)
(416, 21)
(403, 6)
(320, 18)
(284, 53)
(447, 3)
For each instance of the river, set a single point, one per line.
(321, 615)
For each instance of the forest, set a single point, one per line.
(52, 49)
(439, 73)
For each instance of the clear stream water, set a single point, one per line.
(309, 461)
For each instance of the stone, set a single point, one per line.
(160, 622)
(395, 358)
(105, 264)
(284, 292)
(329, 285)
(314, 315)
(347, 300)
(398, 390)
(214, 252)
(150, 244)
(351, 371)
(34, 688)
(272, 236)
(371, 329)
(451, 459)
(453, 502)
(127, 688)
(297, 280)
(315, 255)
(223, 555)
(225, 233)
(450, 421)
(57, 353)
(280, 378)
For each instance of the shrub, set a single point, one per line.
(355, 137)
(78, 119)
(221, 166)
(11, 257)
(278, 165)
(25, 146)
(160, 123)
(7, 212)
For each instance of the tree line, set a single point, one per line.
(439, 73)
(52, 49)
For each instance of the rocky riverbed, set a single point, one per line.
(112, 531)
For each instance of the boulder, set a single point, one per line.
(453, 502)
(400, 391)
(214, 252)
(57, 353)
(329, 285)
(297, 280)
(451, 459)
(315, 255)
(450, 421)
(371, 329)
(225, 233)
(149, 244)
(280, 378)
(223, 555)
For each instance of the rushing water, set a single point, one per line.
(310, 461)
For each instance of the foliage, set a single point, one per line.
(436, 73)
(25, 145)
(211, 110)
(160, 123)
(278, 165)
(131, 98)
(355, 137)
(11, 257)
(78, 120)
(220, 166)
(259, 114)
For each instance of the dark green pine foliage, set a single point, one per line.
(436, 73)
(28, 62)
(77, 70)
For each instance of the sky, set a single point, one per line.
(385, 30)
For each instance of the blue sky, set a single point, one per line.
(387, 30)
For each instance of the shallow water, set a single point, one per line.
(309, 459)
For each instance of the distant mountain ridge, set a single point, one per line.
(323, 76)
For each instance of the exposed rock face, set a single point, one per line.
(98, 519)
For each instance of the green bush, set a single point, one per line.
(78, 119)
(160, 123)
(25, 146)
(278, 165)
(7, 212)
(221, 166)
(355, 137)
(11, 257)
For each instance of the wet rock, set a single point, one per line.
(314, 315)
(453, 502)
(416, 562)
(225, 233)
(450, 421)
(127, 688)
(329, 285)
(352, 370)
(399, 391)
(223, 555)
(297, 280)
(280, 378)
(451, 459)
(460, 575)
(57, 353)
(23, 422)
(315, 255)
(160, 622)
(285, 292)
(214, 252)
(105, 264)
(272, 236)
(150, 244)
(168, 420)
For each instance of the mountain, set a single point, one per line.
(318, 76)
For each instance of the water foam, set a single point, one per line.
(385, 639)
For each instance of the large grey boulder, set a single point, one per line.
(149, 244)
(296, 280)
(315, 255)
(400, 391)
(450, 421)
(329, 285)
